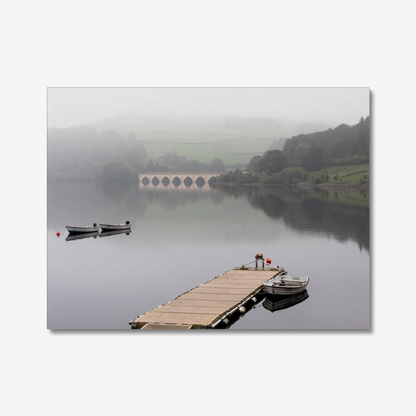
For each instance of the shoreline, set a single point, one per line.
(333, 185)
(325, 185)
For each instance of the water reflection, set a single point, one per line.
(72, 237)
(272, 303)
(214, 230)
(116, 232)
(342, 214)
(232, 318)
(275, 303)
(172, 199)
(115, 191)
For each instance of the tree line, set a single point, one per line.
(85, 154)
(82, 153)
(339, 146)
(172, 162)
(343, 145)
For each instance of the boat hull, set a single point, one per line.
(115, 227)
(285, 285)
(284, 290)
(81, 230)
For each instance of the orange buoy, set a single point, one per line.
(58, 233)
(268, 261)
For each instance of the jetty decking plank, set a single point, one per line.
(178, 318)
(231, 285)
(220, 290)
(202, 302)
(206, 309)
(166, 326)
(208, 296)
(205, 304)
(230, 278)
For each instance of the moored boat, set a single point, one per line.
(115, 227)
(82, 229)
(283, 284)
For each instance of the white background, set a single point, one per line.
(194, 44)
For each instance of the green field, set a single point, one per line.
(346, 174)
(240, 151)
(204, 144)
(203, 153)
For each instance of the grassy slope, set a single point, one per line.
(203, 143)
(346, 174)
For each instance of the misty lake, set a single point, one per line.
(182, 238)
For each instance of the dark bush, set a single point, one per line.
(289, 174)
(118, 171)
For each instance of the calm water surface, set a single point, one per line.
(183, 238)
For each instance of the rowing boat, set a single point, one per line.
(115, 227)
(283, 284)
(82, 229)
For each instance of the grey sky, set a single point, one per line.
(73, 106)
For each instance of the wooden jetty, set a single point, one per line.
(209, 304)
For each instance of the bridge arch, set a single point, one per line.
(176, 179)
(200, 182)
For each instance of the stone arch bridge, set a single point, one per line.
(177, 180)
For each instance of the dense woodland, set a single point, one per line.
(286, 161)
(342, 145)
(84, 154)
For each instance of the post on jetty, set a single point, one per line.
(212, 303)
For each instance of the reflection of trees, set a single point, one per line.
(117, 190)
(235, 191)
(313, 210)
(274, 206)
(343, 221)
(217, 197)
(84, 202)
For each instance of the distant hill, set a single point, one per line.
(262, 123)
(234, 140)
(305, 128)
